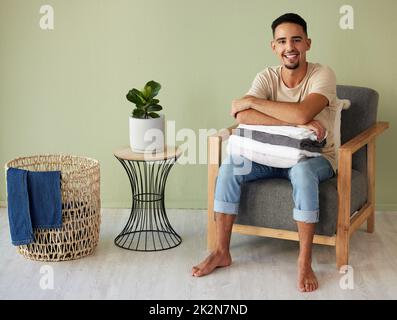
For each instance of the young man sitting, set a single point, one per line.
(296, 93)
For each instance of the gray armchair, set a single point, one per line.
(346, 201)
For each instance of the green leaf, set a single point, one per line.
(154, 88)
(147, 92)
(154, 115)
(135, 96)
(155, 107)
(140, 95)
(138, 113)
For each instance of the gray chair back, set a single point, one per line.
(360, 116)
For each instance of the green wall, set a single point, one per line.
(63, 91)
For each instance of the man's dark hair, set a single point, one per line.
(291, 18)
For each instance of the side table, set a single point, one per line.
(148, 227)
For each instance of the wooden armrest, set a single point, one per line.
(346, 151)
(364, 137)
(215, 145)
(345, 172)
(223, 134)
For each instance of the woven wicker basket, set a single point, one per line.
(81, 206)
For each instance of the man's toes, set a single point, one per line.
(198, 273)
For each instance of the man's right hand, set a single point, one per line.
(240, 105)
(317, 127)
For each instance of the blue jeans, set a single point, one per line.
(305, 177)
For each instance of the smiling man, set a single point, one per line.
(296, 93)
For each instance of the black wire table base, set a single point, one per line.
(148, 227)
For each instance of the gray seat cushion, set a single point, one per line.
(268, 203)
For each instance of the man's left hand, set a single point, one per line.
(317, 127)
(240, 105)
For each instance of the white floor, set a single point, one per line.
(262, 268)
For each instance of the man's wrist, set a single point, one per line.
(252, 102)
(258, 104)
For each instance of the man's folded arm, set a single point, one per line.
(293, 113)
(254, 117)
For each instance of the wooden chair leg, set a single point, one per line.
(371, 152)
(344, 200)
(342, 249)
(371, 221)
(214, 161)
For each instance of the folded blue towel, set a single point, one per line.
(34, 201)
(18, 207)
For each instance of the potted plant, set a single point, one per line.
(146, 125)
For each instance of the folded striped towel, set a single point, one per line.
(288, 131)
(275, 146)
(263, 158)
(281, 140)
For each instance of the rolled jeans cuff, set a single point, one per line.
(226, 207)
(306, 216)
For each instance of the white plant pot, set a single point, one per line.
(147, 135)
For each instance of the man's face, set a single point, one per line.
(290, 44)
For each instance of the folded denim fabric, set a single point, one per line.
(18, 207)
(34, 201)
(280, 140)
(45, 199)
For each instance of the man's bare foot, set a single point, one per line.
(214, 260)
(307, 281)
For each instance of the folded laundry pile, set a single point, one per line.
(34, 201)
(275, 146)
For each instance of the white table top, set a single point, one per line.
(126, 153)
